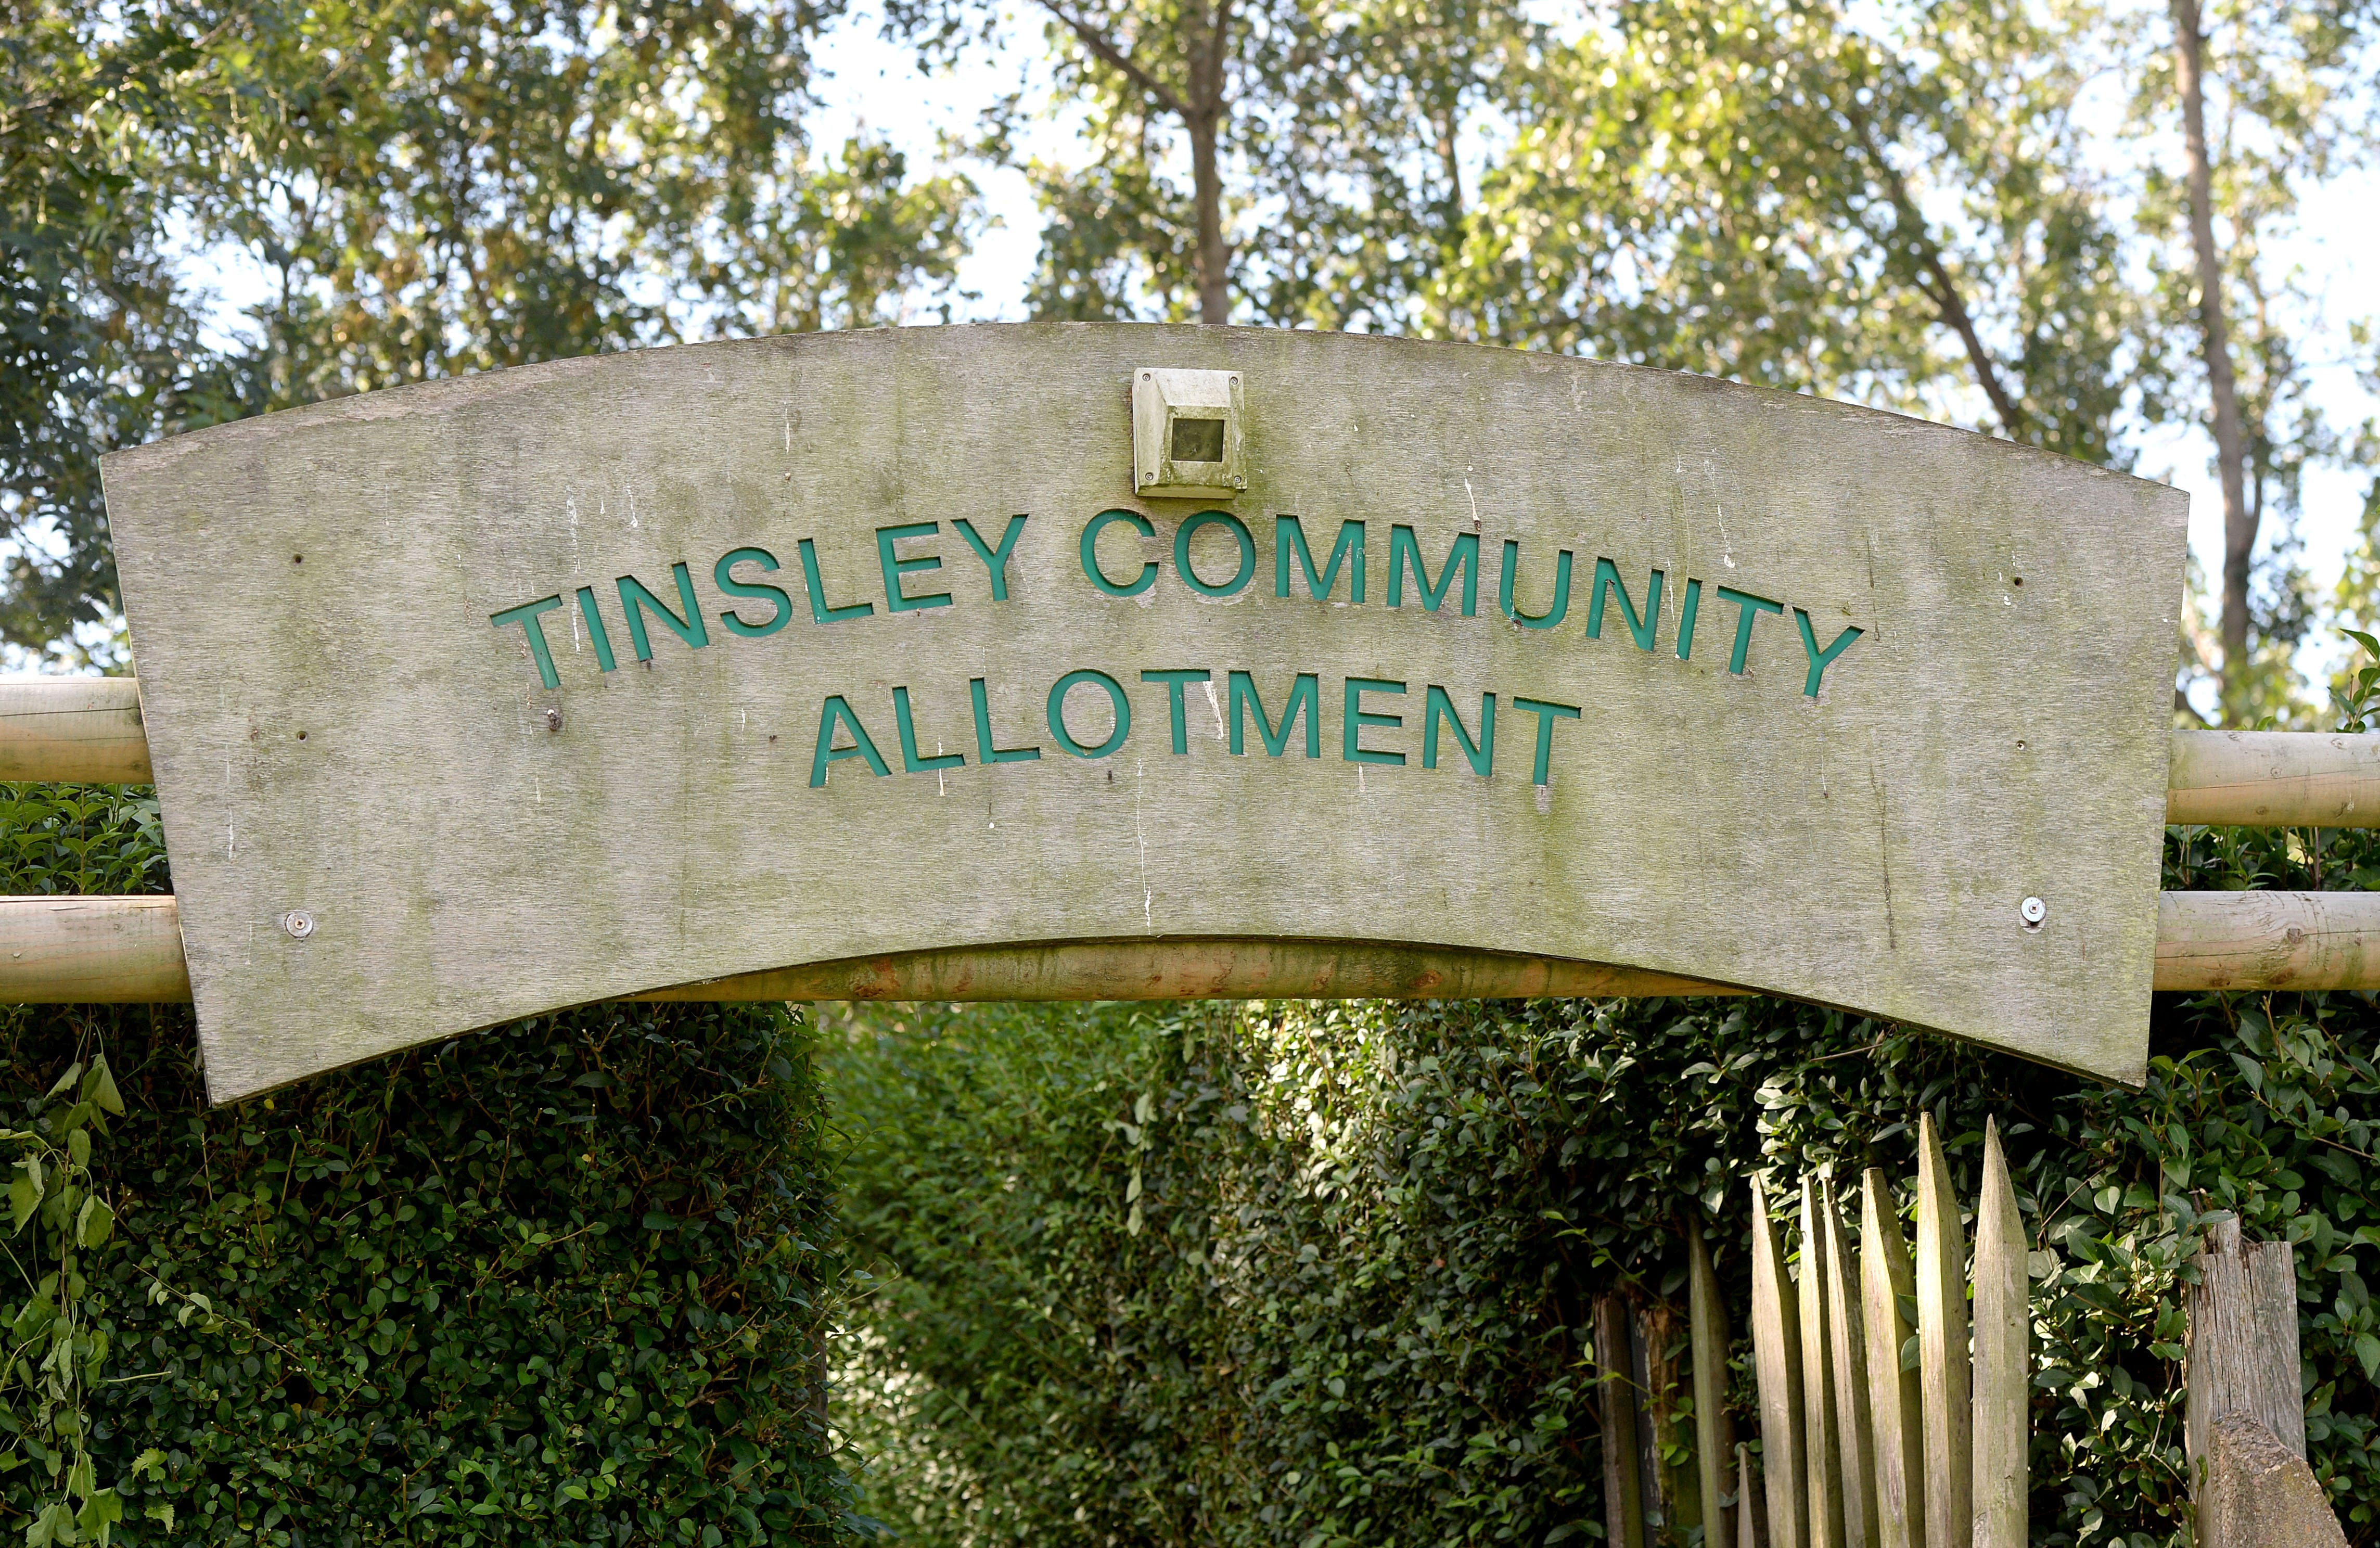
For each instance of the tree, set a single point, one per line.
(429, 187)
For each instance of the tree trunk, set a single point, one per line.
(2239, 522)
(1214, 258)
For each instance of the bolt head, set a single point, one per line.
(2033, 910)
(554, 720)
(298, 922)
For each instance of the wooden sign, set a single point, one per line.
(475, 699)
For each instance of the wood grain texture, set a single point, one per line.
(91, 951)
(1896, 1397)
(477, 846)
(1615, 1396)
(1822, 1452)
(1847, 1337)
(81, 729)
(2242, 1351)
(2275, 779)
(1777, 1372)
(2003, 1376)
(2268, 940)
(1706, 1329)
(1942, 1347)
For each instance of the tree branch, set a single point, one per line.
(1117, 59)
(1943, 291)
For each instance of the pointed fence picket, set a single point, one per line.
(1860, 1446)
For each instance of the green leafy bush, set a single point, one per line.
(566, 1282)
(1314, 1275)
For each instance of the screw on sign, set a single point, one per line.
(2033, 910)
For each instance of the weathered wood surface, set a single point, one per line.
(2268, 940)
(84, 729)
(2275, 779)
(91, 951)
(1942, 1347)
(1847, 1337)
(1714, 1423)
(1616, 1406)
(2259, 1494)
(2003, 1373)
(1822, 1434)
(2236, 778)
(476, 845)
(1895, 1396)
(2242, 1351)
(148, 966)
(1776, 1374)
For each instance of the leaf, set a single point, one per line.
(24, 1198)
(2367, 1349)
(103, 1510)
(96, 1224)
(151, 1462)
(65, 1082)
(78, 1146)
(99, 1088)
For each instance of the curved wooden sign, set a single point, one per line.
(475, 699)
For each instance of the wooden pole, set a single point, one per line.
(1942, 1346)
(2223, 940)
(1846, 1332)
(2243, 1354)
(1777, 1366)
(2274, 779)
(1714, 1426)
(1748, 1533)
(1896, 1397)
(2268, 940)
(80, 729)
(2003, 1364)
(1623, 1496)
(1822, 1457)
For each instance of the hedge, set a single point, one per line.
(1311, 1275)
(567, 1282)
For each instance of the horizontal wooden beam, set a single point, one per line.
(88, 730)
(84, 729)
(128, 951)
(2274, 779)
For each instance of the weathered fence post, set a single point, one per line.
(1777, 1360)
(1822, 1438)
(2245, 1427)
(1895, 1397)
(1855, 1437)
(1942, 1346)
(1714, 1426)
(2003, 1364)
(1623, 1496)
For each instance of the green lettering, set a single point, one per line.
(910, 762)
(1289, 537)
(1304, 697)
(1607, 580)
(1747, 608)
(819, 612)
(526, 616)
(1240, 535)
(895, 601)
(1464, 554)
(833, 712)
(1115, 693)
(1436, 706)
(597, 635)
(1173, 678)
(1352, 724)
(1090, 547)
(636, 601)
(1553, 615)
(1547, 714)
(780, 605)
(985, 752)
(1820, 660)
(994, 559)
